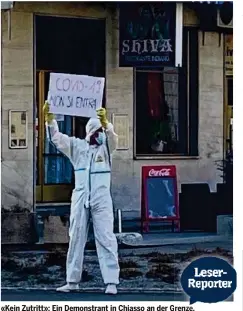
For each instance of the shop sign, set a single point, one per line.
(228, 55)
(147, 34)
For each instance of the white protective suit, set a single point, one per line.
(92, 170)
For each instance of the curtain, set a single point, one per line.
(155, 95)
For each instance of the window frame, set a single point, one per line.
(190, 97)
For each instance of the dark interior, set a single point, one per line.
(71, 45)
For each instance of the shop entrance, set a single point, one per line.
(65, 45)
(228, 114)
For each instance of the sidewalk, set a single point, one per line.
(163, 239)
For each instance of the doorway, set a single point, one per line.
(64, 45)
(228, 115)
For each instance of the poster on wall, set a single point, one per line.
(18, 129)
(147, 34)
(75, 95)
(121, 127)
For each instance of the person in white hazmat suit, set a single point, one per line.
(91, 161)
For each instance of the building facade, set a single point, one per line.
(83, 38)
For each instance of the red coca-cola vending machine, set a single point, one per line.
(160, 201)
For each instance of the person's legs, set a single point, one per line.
(106, 242)
(78, 232)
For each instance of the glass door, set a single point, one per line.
(54, 173)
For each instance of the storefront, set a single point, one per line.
(163, 115)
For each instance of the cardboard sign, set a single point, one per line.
(159, 193)
(75, 95)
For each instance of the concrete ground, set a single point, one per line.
(174, 239)
(23, 295)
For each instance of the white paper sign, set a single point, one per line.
(75, 95)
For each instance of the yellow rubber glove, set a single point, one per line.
(101, 114)
(48, 116)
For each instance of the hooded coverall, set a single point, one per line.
(92, 168)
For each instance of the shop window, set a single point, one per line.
(230, 91)
(166, 106)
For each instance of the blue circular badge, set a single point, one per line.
(208, 279)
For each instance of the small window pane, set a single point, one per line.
(58, 170)
(158, 129)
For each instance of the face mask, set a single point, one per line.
(101, 138)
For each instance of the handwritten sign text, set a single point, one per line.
(75, 95)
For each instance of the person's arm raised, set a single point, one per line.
(111, 135)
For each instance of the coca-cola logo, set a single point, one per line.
(162, 172)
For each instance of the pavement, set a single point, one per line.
(24, 295)
(163, 239)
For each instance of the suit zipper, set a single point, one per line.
(90, 179)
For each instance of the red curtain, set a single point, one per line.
(155, 95)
